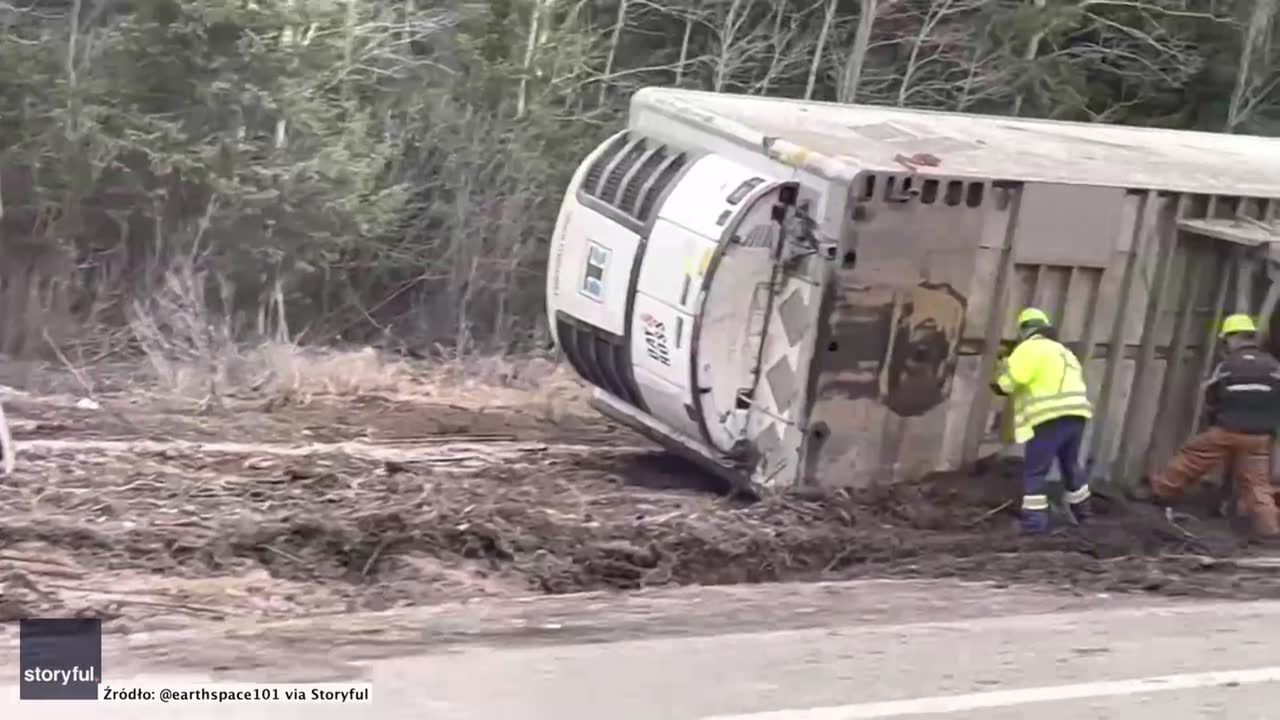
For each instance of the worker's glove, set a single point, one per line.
(1001, 367)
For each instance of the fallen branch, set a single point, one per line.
(8, 456)
(993, 511)
(283, 554)
(44, 567)
(122, 596)
(373, 558)
(18, 557)
(194, 609)
(1246, 563)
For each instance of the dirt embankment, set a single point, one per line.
(155, 516)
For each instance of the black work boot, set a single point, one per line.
(1264, 530)
(1082, 510)
(1142, 491)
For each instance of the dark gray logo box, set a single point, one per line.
(61, 658)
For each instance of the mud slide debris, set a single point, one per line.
(373, 508)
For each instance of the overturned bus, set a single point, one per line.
(798, 293)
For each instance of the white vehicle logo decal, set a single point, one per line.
(593, 278)
(655, 339)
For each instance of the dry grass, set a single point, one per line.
(192, 353)
(289, 371)
(291, 374)
(479, 382)
(535, 384)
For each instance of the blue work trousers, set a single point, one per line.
(1058, 439)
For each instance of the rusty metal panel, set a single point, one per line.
(893, 332)
(1137, 297)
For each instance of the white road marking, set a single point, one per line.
(941, 704)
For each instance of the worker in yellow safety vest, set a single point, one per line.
(1050, 406)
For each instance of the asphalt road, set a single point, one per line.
(1195, 660)
(887, 671)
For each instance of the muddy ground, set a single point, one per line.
(157, 513)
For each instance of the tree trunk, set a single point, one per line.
(684, 49)
(963, 102)
(857, 58)
(75, 162)
(613, 48)
(288, 35)
(727, 37)
(777, 45)
(818, 51)
(530, 53)
(1029, 55)
(349, 46)
(930, 22)
(1252, 55)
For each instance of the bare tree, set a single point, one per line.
(1256, 76)
(684, 48)
(729, 33)
(616, 34)
(857, 58)
(536, 32)
(1030, 53)
(818, 52)
(925, 50)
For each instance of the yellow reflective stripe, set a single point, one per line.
(1049, 413)
(1078, 496)
(1035, 502)
(1069, 362)
(1034, 400)
(1031, 403)
(1027, 412)
(1248, 387)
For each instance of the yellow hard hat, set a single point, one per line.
(1238, 324)
(1032, 315)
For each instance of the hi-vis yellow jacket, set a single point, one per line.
(1045, 380)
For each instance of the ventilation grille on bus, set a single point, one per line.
(632, 173)
(600, 357)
